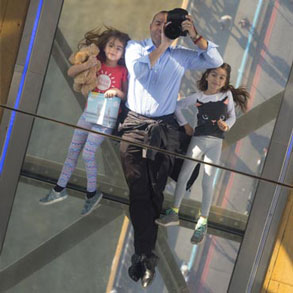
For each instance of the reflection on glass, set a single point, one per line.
(93, 253)
(204, 267)
(246, 144)
(260, 66)
(183, 267)
(215, 116)
(201, 265)
(52, 248)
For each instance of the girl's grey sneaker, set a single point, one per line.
(90, 203)
(199, 232)
(53, 197)
(170, 219)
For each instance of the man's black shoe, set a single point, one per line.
(136, 270)
(149, 264)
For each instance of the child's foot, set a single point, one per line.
(53, 197)
(170, 219)
(90, 203)
(200, 230)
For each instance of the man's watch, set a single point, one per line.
(195, 37)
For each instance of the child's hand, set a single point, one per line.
(223, 125)
(110, 93)
(188, 129)
(114, 92)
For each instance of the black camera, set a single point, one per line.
(173, 30)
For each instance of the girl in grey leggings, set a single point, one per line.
(216, 115)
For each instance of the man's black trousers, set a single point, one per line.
(145, 203)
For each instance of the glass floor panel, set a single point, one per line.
(53, 249)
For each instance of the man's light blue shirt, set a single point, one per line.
(153, 91)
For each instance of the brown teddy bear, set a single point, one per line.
(85, 81)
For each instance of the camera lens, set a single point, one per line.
(175, 17)
(172, 31)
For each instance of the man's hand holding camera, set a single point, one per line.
(170, 26)
(180, 23)
(165, 41)
(187, 25)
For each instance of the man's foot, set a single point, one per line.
(200, 231)
(90, 203)
(53, 197)
(170, 219)
(149, 265)
(136, 271)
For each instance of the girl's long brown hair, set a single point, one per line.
(100, 38)
(240, 94)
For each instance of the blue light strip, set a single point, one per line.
(192, 257)
(289, 151)
(20, 89)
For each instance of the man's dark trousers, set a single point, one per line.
(146, 179)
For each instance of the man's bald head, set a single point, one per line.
(163, 12)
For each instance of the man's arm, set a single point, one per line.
(207, 55)
(140, 64)
(165, 43)
(197, 39)
(137, 63)
(156, 54)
